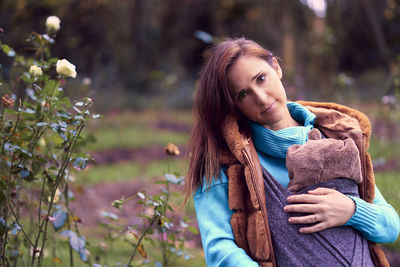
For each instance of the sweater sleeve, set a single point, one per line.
(377, 222)
(213, 216)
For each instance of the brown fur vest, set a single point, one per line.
(246, 188)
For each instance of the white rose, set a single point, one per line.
(53, 24)
(35, 71)
(65, 68)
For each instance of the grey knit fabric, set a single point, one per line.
(338, 246)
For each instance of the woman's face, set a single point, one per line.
(257, 91)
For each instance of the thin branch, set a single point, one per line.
(153, 220)
(16, 219)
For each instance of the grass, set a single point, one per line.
(117, 251)
(388, 184)
(133, 137)
(380, 148)
(144, 117)
(139, 129)
(125, 171)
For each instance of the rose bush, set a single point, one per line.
(40, 147)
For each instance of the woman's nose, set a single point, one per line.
(260, 96)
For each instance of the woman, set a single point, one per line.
(237, 151)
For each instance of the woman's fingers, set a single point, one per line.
(304, 208)
(313, 218)
(304, 198)
(322, 191)
(325, 207)
(315, 228)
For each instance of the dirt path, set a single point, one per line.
(90, 201)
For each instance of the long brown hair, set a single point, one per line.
(212, 105)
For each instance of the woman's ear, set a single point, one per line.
(277, 68)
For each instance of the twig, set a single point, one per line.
(153, 220)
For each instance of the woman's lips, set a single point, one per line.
(268, 108)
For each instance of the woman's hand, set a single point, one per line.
(327, 207)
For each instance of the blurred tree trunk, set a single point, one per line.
(288, 40)
(376, 29)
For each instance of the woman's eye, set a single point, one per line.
(261, 78)
(241, 95)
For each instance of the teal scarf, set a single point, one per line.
(276, 143)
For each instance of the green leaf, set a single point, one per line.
(80, 163)
(24, 154)
(66, 102)
(8, 50)
(37, 87)
(193, 230)
(53, 60)
(10, 111)
(50, 87)
(27, 110)
(63, 114)
(40, 124)
(26, 77)
(36, 167)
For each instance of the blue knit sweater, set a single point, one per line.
(377, 222)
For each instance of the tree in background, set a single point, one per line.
(140, 48)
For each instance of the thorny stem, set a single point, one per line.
(6, 208)
(3, 241)
(31, 219)
(153, 220)
(36, 135)
(36, 242)
(164, 254)
(16, 220)
(17, 206)
(3, 115)
(11, 208)
(71, 255)
(40, 200)
(58, 180)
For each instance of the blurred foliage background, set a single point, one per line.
(139, 60)
(147, 53)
